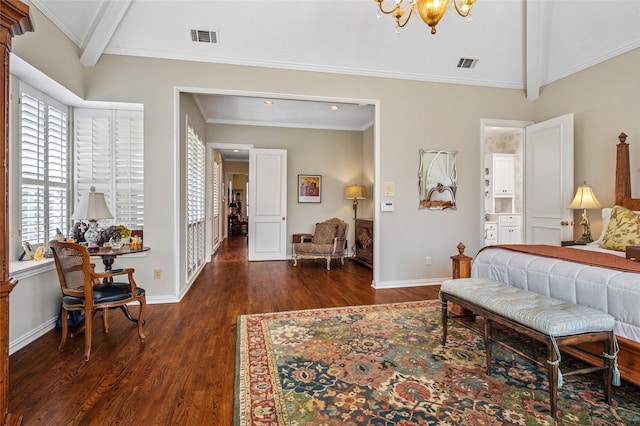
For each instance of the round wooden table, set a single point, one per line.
(109, 254)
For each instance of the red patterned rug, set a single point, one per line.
(384, 365)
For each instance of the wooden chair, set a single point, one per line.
(83, 289)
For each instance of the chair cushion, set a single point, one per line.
(104, 293)
(324, 233)
(72, 301)
(112, 292)
(312, 248)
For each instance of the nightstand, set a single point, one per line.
(633, 252)
(571, 243)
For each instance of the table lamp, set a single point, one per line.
(585, 199)
(92, 206)
(355, 193)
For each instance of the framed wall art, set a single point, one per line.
(309, 188)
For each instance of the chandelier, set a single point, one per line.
(431, 11)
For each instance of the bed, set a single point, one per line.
(601, 279)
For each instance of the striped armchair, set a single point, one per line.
(329, 241)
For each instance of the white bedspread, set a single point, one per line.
(614, 292)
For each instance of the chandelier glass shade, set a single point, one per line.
(431, 11)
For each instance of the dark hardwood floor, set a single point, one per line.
(184, 373)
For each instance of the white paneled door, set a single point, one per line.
(267, 204)
(549, 181)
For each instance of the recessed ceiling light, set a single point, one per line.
(334, 107)
(268, 102)
(236, 150)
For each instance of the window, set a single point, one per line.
(109, 155)
(43, 166)
(195, 200)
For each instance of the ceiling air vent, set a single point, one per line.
(204, 36)
(467, 63)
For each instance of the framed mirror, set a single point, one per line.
(437, 179)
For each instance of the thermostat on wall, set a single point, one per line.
(386, 206)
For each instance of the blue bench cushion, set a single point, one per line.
(547, 315)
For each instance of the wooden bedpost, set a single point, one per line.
(623, 176)
(460, 264)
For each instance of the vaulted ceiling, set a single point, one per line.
(520, 44)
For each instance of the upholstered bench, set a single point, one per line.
(553, 322)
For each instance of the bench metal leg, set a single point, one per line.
(444, 311)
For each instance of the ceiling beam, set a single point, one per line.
(103, 28)
(533, 36)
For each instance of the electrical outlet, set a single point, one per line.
(428, 260)
(156, 274)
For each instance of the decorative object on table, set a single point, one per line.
(77, 231)
(58, 235)
(92, 207)
(28, 252)
(116, 236)
(355, 193)
(431, 12)
(39, 254)
(136, 237)
(385, 364)
(437, 179)
(309, 188)
(585, 199)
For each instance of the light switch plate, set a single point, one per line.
(389, 189)
(386, 206)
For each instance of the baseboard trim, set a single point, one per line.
(407, 283)
(33, 335)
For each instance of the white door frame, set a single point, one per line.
(376, 145)
(488, 122)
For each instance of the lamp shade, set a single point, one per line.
(585, 199)
(92, 206)
(355, 192)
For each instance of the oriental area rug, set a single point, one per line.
(385, 365)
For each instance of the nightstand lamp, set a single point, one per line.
(585, 199)
(355, 193)
(92, 206)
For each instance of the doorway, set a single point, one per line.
(547, 185)
(502, 145)
(350, 104)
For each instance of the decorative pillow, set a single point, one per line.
(324, 233)
(623, 230)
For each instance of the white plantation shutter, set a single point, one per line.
(195, 200)
(43, 166)
(109, 155)
(92, 152)
(129, 169)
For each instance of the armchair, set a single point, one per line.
(83, 289)
(329, 241)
